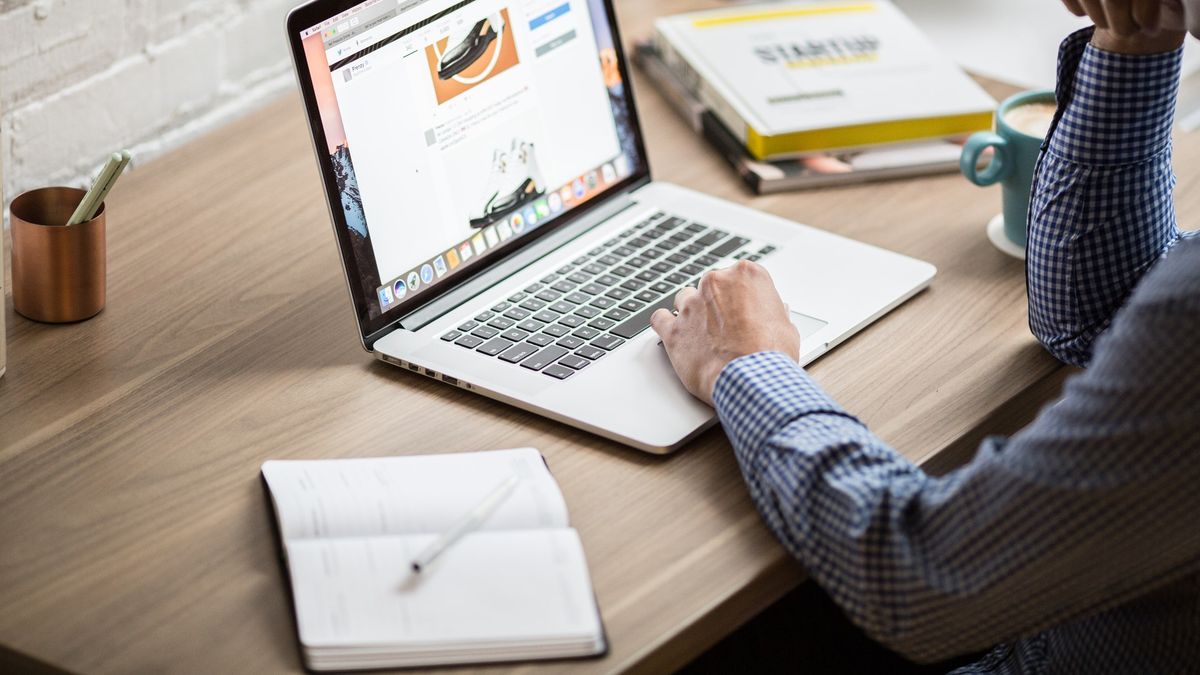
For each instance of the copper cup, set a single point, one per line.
(58, 272)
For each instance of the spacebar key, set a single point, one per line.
(641, 321)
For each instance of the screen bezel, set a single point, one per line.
(370, 329)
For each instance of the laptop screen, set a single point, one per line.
(456, 130)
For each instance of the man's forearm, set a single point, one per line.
(1102, 210)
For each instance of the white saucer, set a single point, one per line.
(995, 232)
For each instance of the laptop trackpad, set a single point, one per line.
(807, 325)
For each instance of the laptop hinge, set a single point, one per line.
(514, 264)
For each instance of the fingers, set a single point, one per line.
(1148, 15)
(661, 321)
(1075, 8)
(1095, 10)
(1120, 17)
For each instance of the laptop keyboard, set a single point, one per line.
(577, 314)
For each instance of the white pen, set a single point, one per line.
(99, 198)
(105, 178)
(469, 522)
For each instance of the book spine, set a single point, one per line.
(698, 86)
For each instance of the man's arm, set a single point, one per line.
(1092, 505)
(1102, 213)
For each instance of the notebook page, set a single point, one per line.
(410, 495)
(490, 588)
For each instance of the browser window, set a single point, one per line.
(456, 128)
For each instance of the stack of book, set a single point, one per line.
(807, 94)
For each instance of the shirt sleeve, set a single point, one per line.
(1102, 210)
(1050, 525)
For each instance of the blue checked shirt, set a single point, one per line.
(1075, 544)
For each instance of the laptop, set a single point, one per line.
(497, 221)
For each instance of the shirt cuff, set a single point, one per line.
(1114, 109)
(758, 395)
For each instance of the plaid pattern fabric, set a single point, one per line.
(1074, 544)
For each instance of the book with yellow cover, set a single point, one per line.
(796, 78)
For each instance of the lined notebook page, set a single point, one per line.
(410, 495)
(520, 587)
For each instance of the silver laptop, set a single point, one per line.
(498, 225)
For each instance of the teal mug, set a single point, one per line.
(1014, 159)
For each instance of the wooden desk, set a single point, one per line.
(134, 534)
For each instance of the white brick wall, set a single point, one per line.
(81, 78)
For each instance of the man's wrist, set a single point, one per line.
(1140, 44)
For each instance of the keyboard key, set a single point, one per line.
(678, 258)
(581, 260)
(612, 242)
(623, 251)
(530, 326)
(516, 297)
(646, 275)
(469, 341)
(730, 245)
(563, 286)
(577, 299)
(652, 253)
(639, 242)
(570, 342)
(546, 316)
(494, 347)
(638, 262)
(667, 245)
(623, 270)
(677, 279)
(647, 296)
(631, 305)
(468, 326)
(501, 323)
(654, 233)
(692, 249)
(540, 340)
(572, 321)
(518, 353)
(533, 288)
(532, 305)
(603, 303)
(607, 280)
(501, 307)
(641, 321)
(691, 270)
(617, 294)
(514, 334)
(766, 250)
(517, 314)
(557, 330)
(712, 238)
(544, 358)
(602, 323)
(591, 289)
(591, 269)
(548, 296)
(662, 287)
(580, 277)
(696, 228)
(674, 222)
(631, 285)
(591, 353)
(596, 251)
(452, 336)
(607, 342)
(562, 307)
(681, 236)
(588, 312)
(549, 278)
(559, 372)
(574, 362)
(616, 314)
(484, 317)
(608, 260)
(566, 269)
(586, 333)
(706, 260)
(485, 332)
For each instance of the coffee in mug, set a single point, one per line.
(1032, 119)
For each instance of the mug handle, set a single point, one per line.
(1000, 166)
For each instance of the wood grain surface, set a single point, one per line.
(134, 533)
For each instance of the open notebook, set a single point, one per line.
(515, 589)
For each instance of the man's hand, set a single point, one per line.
(734, 313)
(1134, 26)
